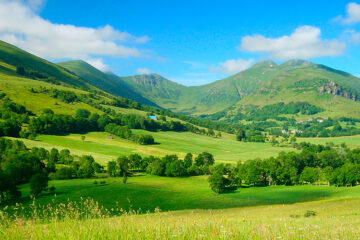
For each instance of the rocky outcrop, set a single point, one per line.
(334, 89)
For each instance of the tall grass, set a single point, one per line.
(336, 219)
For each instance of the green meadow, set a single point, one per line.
(104, 148)
(148, 192)
(277, 212)
(351, 141)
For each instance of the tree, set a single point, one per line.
(188, 160)
(274, 142)
(54, 155)
(86, 169)
(82, 113)
(64, 173)
(123, 163)
(175, 169)
(65, 157)
(38, 183)
(83, 137)
(125, 178)
(199, 160)
(309, 175)
(111, 168)
(240, 135)
(208, 159)
(20, 70)
(217, 180)
(157, 167)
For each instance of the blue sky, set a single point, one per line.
(190, 42)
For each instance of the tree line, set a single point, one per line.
(19, 165)
(338, 166)
(169, 165)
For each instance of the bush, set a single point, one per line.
(52, 190)
(38, 183)
(309, 213)
(64, 173)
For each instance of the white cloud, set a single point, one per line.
(21, 26)
(36, 5)
(304, 42)
(99, 64)
(352, 14)
(233, 66)
(143, 71)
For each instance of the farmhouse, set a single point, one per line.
(152, 117)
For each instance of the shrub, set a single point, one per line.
(309, 213)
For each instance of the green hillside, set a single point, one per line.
(12, 57)
(300, 81)
(263, 84)
(105, 81)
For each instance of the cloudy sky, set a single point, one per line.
(190, 42)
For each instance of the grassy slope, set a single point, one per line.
(281, 89)
(108, 82)
(17, 89)
(264, 83)
(351, 141)
(11, 56)
(225, 149)
(148, 192)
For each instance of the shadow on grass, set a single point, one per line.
(148, 194)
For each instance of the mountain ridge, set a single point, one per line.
(264, 83)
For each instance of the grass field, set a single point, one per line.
(351, 141)
(103, 148)
(17, 89)
(253, 213)
(148, 192)
(334, 220)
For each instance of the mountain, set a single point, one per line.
(264, 83)
(336, 92)
(12, 57)
(106, 81)
(157, 90)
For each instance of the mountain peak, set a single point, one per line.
(265, 64)
(297, 62)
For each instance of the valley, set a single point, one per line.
(270, 151)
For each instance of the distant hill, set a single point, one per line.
(293, 83)
(106, 81)
(12, 57)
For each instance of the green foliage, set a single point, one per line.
(217, 180)
(20, 70)
(38, 183)
(309, 213)
(310, 175)
(82, 113)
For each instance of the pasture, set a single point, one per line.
(103, 148)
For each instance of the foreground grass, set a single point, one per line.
(146, 193)
(335, 219)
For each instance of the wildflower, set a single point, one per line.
(243, 219)
(292, 233)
